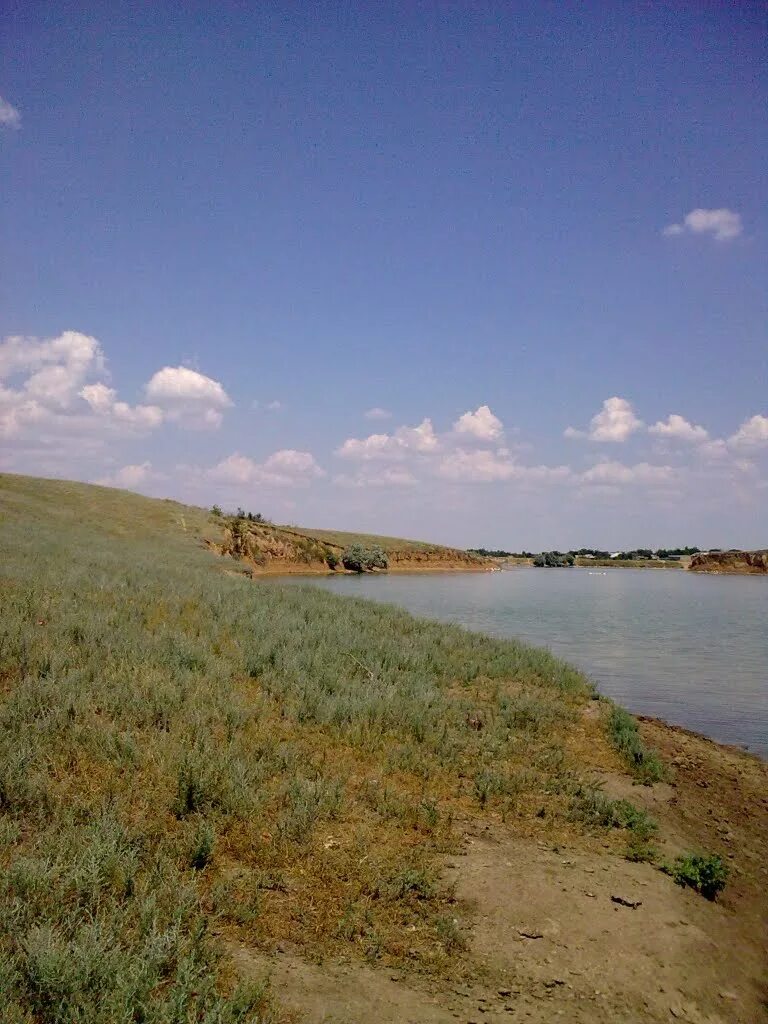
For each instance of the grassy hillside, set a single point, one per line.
(187, 756)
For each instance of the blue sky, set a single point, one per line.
(231, 231)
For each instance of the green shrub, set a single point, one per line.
(706, 873)
(361, 559)
(553, 560)
(203, 843)
(625, 737)
(331, 559)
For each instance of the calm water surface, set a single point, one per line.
(690, 649)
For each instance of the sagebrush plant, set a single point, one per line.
(358, 558)
(184, 751)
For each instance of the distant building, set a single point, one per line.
(615, 554)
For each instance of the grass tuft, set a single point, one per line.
(623, 733)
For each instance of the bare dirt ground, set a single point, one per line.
(580, 934)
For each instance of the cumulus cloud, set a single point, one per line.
(486, 466)
(479, 465)
(377, 413)
(41, 381)
(187, 396)
(406, 440)
(284, 468)
(54, 368)
(464, 454)
(378, 476)
(129, 476)
(722, 224)
(103, 401)
(677, 428)
(752, 433)
(480, 424)
(9, 115)
(610, 473)
(55, 387)
(713, 450)
(615, 422)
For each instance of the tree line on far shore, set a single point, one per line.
(556, 559)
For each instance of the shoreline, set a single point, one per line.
(672, 728)
(681, 730)
(332, 573)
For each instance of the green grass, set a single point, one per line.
(623, 733)
(187, 755)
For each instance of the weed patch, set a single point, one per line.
(706, 873)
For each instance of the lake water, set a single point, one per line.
(688, 648)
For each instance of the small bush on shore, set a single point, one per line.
(706, 873)
(360, 559)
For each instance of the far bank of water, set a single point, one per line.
(687, 648)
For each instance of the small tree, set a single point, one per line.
(360, 559)
(216, 511)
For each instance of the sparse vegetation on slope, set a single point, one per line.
(264, 547)
(185, 755)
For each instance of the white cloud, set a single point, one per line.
(55, 368)
(615, 422)
(713, 450)
(54, 387)
(274, 406)
(406, 440)
(610, 473)
(41, 383)
(129, 476)
(752, 432)
(480, 424)
(378, 476)
(285, 468)
(481, 465)
(722, 224)
(487, 466)
(103, 401)
(187, 396)
(678, 428)
(9, 115)
(377, 413)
